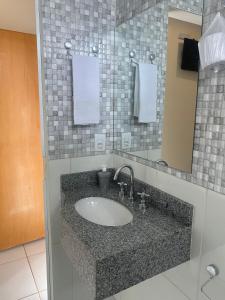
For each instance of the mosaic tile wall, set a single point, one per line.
(209, 145)
(145, 33)
(127, 9)
(85, 23)
(89, 22)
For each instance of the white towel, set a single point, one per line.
(147, 93)
(136, 91)
(86, 90)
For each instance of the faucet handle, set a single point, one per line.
(122, 184)
(143, 195)
(142, 205)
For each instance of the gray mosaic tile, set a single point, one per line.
(145, 33)
(91, 22)
(85, 24)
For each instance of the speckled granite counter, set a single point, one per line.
(112, 259)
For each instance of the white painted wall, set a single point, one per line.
(18, 15)
(213, 250)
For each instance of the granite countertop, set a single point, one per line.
(111, 259)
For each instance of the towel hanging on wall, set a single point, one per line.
(145, 93)
(86, 90)
(136, 90)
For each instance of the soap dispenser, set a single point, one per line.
(104, 177)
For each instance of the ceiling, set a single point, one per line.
(18, 15)
(185, 16)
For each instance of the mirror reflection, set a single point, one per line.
(156, 83)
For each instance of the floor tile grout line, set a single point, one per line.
(25, 250)
(176, 286)
(42, 292)
(32, 272)
(25, 258)
(26, 255)
(24, 298)
(44, 251)
(45, 290)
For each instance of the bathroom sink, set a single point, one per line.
(103, 211)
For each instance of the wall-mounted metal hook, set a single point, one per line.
(95, 50)
(152, 58)
(132, 54)
(68, 47)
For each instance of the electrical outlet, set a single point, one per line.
(100, 142)
(126, 140)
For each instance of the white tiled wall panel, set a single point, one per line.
(214, 245)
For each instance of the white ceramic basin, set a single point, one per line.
(103, 211)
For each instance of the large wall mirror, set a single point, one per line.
(156, 83)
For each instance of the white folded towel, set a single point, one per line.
(136, 91)
(86, 90)
(145, 93)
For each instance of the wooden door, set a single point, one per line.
(21, 166)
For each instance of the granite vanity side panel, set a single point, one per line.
(83, 261)
(115, 274)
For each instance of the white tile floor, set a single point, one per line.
(23, 272)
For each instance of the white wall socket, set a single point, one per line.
(126, 140)
(100, 142)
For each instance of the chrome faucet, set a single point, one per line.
(131, 196)
(162, 162)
